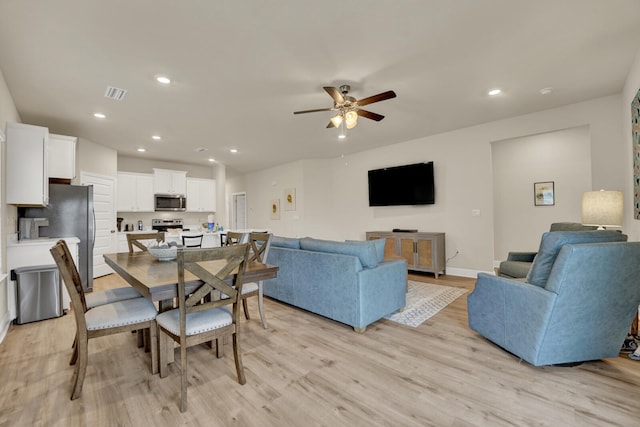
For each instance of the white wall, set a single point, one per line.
(631, 87)
(95, 158)
(337, 188)
(563, 157)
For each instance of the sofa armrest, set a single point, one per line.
(382, 291)
(510, 313)
(521, 256)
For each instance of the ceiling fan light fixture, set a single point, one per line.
(337, 120)
(351, 119)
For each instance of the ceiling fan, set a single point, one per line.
(348, 107)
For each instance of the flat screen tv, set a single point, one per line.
(402, 185)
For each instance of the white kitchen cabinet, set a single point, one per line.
(27, 165)
(169, 181)
(201, 195)
(62, 156)
(135, 192)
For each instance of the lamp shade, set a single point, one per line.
(602, 208)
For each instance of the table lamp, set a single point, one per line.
(602, 208)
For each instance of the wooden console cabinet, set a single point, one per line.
(423, 251)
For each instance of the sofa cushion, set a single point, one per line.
(285, 242)
(379, 245)
(551, 244)
(514, 269)
(365, 251)
(571, 226)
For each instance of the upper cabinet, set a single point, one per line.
(135, 192)
(62, 156)
(27, 165)
(201, 195)
(169, 182)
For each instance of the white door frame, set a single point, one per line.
(106, 225)
(238, 215)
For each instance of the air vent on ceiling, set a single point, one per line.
(115, 93)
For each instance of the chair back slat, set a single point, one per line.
(133, 239)
(260, 243)
(233, 238)
(196, 261)
(69, 272)
(193, 241)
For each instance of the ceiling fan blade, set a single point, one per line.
(330, 125)
(376, 98)
(312, 111)
(370, 115)
(335, 94)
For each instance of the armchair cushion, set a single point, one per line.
(514, 269)
(551, 244)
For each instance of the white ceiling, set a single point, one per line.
(240, 69)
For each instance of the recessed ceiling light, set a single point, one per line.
(212, 160)
(546, 90)
(99, 115)
(163, 80)
(233, 150)
(156, 137)
(142, 150)
(342, 136)
(494, 92)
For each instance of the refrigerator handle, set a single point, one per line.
(92, 219)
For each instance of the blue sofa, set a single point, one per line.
(345, 281)
(577, 303)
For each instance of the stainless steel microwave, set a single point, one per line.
(170, 202)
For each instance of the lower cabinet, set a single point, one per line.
(423, 251)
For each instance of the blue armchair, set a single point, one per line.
(576, 304)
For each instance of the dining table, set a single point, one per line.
(157, 280)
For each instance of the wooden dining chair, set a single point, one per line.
(233, 238)
(193, 241)
(134, 239)
(97, 298)
(198, 320)
(259, 244)
(108, 319)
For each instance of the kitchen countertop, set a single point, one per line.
(13, 241)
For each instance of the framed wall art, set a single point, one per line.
(275, 209)
(544, 194)
(635, 136)
(290, 199)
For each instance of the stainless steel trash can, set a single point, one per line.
(38, 293)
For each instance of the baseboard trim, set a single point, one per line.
(465, 272)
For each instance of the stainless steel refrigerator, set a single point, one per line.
(70, 214)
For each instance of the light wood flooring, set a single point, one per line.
(306, 370)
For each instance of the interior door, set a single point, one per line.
(104, 205)
(239, 219)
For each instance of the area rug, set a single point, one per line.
(423, 301)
